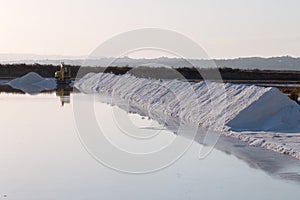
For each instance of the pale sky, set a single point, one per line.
(224, 28)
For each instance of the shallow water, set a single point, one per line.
(42, 157)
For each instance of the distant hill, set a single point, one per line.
(273, 63)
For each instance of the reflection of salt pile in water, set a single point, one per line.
(32, 83)
(244, 109)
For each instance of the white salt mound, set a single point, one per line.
(242, 107)
(240, 111)
(33, 83)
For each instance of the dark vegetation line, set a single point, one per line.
(18, 70)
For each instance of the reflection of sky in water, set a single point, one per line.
(142, 136)
(42, 158)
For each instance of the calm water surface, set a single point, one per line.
(42, 157)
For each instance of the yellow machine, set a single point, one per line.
(63, 76)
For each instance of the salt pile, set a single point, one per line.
(32, 83)
(257, 115)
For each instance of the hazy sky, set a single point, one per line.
(224, 28)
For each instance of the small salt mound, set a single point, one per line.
(27, 79)
(239, 107)
(32, 83)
